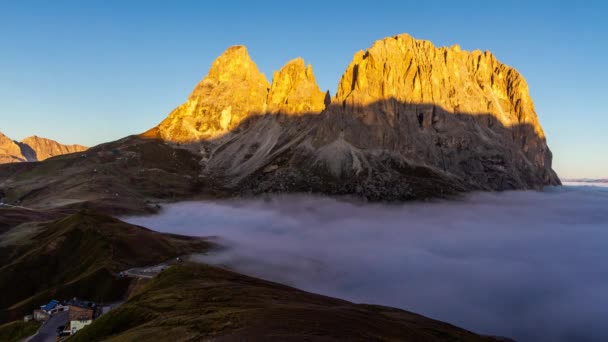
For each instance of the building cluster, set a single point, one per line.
(79, 314)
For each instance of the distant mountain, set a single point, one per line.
(589, 180)
(32, 149)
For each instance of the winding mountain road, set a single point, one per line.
(48, 330)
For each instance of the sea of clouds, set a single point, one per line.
(529, 265)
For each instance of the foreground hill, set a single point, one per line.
(78, 255)
(194, 302)
(33, 149)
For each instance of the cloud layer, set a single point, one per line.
(528, 265)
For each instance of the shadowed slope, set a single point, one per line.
(334, 153)
(79, 256)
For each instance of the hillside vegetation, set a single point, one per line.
(194, 302)
(80, 256)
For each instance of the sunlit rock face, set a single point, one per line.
(294, 90)
(415, 71)
(46, 148)
(233, 89)
(10, 152)
(409, 120)
(33, 149)
(461, 112)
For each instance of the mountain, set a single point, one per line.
(409, 120)
(33, 149)
(10, 151)
(46, 148)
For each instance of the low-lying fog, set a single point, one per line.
(532, 266)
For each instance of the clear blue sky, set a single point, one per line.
(93, 71)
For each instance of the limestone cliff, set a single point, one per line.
(233, 90)
(462, 112)
(33, 149)
(294, 90)
(409, 120)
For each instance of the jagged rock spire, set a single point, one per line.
(234, 90)
(294, 90)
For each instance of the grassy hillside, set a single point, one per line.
(79, 256)
(18, 330)
(195, 302)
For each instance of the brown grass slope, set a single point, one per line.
(18, 330)
(194, 302)
(125, 176)
(79, 256)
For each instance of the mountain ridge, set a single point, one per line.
(240, 135)
(456, 112)
(33, 148)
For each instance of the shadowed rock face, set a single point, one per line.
(407, 115)
(33, 149)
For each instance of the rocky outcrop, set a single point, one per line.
(294, 90)
(233, 90)
(43, 148)
(460, 112)
(10, 152)
(409, 120)
(33, 149)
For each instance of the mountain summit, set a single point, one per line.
(33, 149)
(234, 89)
(408, 120)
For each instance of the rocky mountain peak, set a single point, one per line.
(10, 152)
(409, 120)
(32, 149)
(415, 71)
(233, 89)
(294, 90)
(233, 66)
(37, 148)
